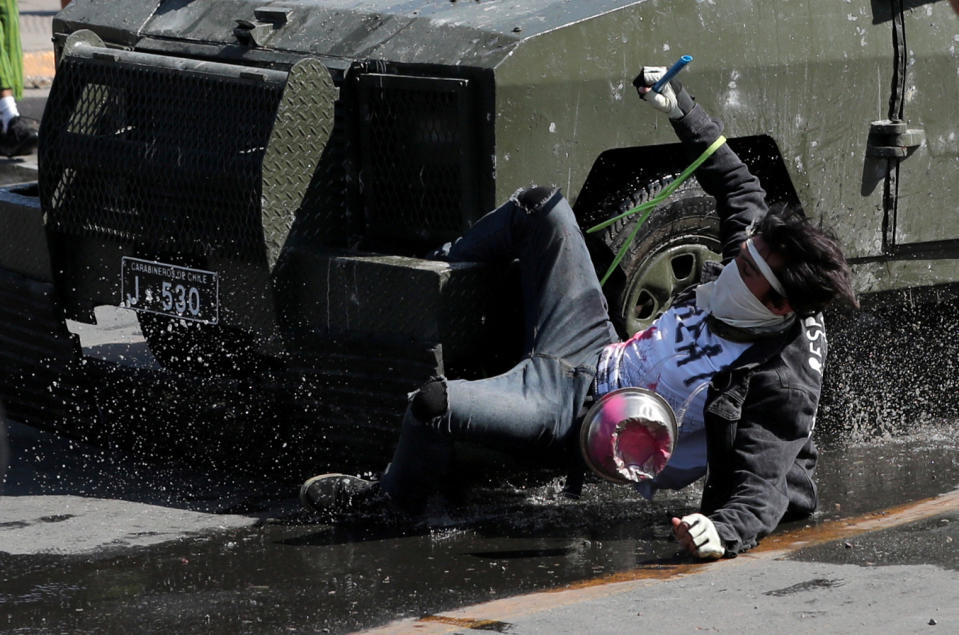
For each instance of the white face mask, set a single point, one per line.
(730, 300)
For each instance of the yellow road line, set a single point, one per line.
(459, 622)
(481, 616)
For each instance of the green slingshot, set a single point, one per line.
(651, 204)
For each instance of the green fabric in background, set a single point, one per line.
(11, 53)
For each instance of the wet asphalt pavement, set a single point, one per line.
(97, 541)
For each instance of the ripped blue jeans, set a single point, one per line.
(534, 405)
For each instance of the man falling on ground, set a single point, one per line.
(752, 337)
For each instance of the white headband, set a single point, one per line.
(765, 269)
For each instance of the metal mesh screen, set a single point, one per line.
(160, 157)
(417, 141)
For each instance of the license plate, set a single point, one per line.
(157, 287)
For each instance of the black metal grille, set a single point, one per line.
(160, 157)
(418, 168)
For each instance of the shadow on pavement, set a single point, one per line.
(44, 464)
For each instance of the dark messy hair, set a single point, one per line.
(815, 271)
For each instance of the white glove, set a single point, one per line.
(664, 101)
(705, 537)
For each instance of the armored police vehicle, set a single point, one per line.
(258, 182)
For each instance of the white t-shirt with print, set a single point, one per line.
(676, 357)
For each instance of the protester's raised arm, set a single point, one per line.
(740, 199)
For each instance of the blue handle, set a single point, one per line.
(675, 68)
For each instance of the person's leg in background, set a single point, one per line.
(18, 135)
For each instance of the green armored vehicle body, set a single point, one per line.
(261, 182)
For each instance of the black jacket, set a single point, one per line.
(760, 413)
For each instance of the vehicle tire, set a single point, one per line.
(666, 256)
(195, 348)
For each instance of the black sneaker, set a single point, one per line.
(20, 138)
(338, 493)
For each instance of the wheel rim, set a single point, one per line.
(652, 288)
